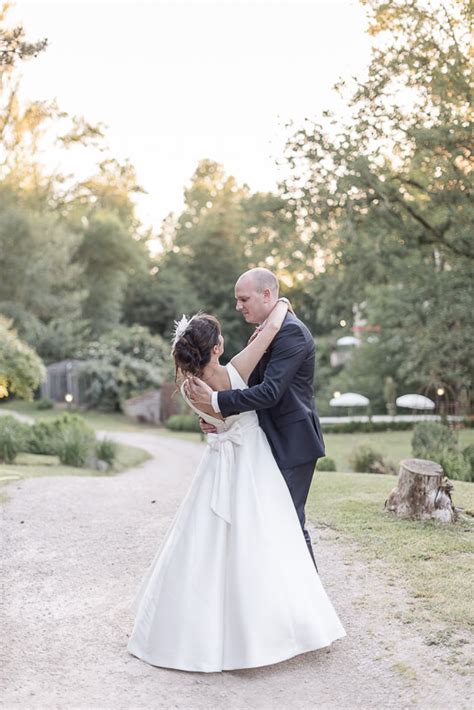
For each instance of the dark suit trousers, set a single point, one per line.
(298, 480)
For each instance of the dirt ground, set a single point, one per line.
(74, 550)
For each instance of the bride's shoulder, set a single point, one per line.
(235, 378)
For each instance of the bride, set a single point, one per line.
(232, 585)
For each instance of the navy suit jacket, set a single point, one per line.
(281, 391)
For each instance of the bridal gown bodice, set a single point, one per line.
(232, 584)
(230, 434)
(236, 421)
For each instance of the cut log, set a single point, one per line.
(422, 492)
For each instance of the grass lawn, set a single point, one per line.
(394, 445)
(432, 560)
(35, 465)
(98, 420)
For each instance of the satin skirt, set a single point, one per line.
(232, 585)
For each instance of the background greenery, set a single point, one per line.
(370, 224)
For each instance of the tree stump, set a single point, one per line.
(422, 492)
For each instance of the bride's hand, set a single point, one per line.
(198, 392)
(254, 335)
(288, 303)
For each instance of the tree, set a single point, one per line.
(208, 249)
(21, 370)
(107, 254)
(403, 158)
(158, 294)
(427, 333)
(30, 128)
(111, 189)
(13, 44)
(36, 261)
(385, 194)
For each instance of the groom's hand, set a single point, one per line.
(198, 392)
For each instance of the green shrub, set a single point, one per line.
(371, 426)
(326, 464)
(121, 363)
(13, 436)
(468, 454)
(364, 459)
(45, 437)
(44, 403)
(106, 450)
(431, 438)
(77, 442)
(455, 465)
(366, 427)
(68, 436)
(21, 369)
(183, 422)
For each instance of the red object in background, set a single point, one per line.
(375, 328)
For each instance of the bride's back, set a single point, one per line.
(236, 382)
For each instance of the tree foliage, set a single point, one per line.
(13, 44)
(385, 196)
(122, 363)
(21, 370)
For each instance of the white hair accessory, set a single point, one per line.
(180, 327)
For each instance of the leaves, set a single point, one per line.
(21, 370)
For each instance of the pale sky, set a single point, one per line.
(178, 82)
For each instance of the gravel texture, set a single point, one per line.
(74, 552)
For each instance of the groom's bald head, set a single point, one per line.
(261, 279)
(256, 292)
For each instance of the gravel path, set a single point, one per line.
(74, 552)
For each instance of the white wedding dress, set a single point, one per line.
(233, 584)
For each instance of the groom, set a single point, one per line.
(280, 390)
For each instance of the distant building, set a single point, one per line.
(145, 407)
(344, 349)
(63, 379)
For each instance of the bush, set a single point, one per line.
(468, 454)
(21, 370)
(45, 437)
(106, 450)
(77, 442)
(121, 364)
(364, 459)
(44, 403)
(68, 437)
(13, 438)
(183, 422)
(326, 464)
(455, 465)
(366, 427)
(431, 438)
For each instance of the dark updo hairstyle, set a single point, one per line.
(192, 351)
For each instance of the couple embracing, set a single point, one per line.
(234, 584)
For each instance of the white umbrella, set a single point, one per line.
(349, 399)
(415, 401)
(348, 340)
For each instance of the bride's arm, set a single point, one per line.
(246, 361)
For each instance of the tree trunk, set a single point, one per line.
(422, 492)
